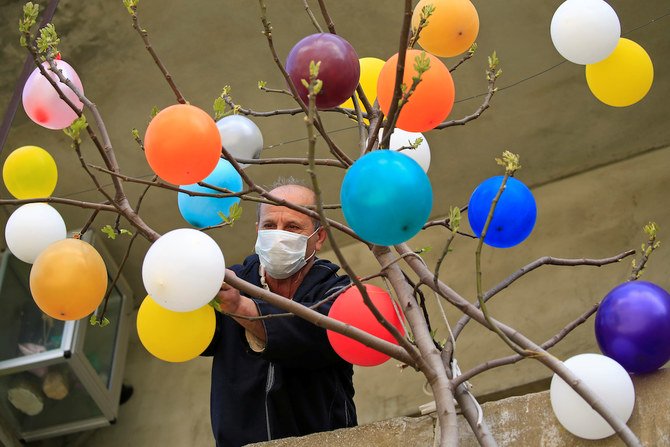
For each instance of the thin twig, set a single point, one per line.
(399, 75)
(492, 75)
(545, 260)
(145, 38)
(295, 161)
(311, 16)
(516, 357)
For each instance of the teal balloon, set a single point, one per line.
(386, 197)
(201, 211)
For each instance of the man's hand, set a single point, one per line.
(232, 302)
(229, 298)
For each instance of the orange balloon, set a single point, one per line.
(452, 28)
(68, 279)
(432, 99)
(182, 144)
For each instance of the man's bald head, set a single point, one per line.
(293, 192)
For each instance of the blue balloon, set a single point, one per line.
(514, 216)
(386, 197)
(633, 326)
(202, 211)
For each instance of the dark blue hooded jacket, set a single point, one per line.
(296, 386)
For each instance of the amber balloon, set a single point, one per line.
(68, 279)
(451, 29)
(432, 99)
(182, 144)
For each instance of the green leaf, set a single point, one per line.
(454, 218)
(95, 321)
(317, 86)
(48, 40)
(509, 161)
(215, 304)
(219, 108)
(421, 64)
(112, 233)
(131, 6)
(136, 133)
(30, 13)
(74, 130)
(109, 231)
(235, 211)
(262, 85)
(154, 111)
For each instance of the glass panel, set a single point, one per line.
(31, 401)
(100, 341)
(25, 329)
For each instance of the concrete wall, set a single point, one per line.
(518, 421)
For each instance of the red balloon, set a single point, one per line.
(432, 99)
(182, 144)
(339, 69)
(349, 308)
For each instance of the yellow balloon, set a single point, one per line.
(30, 172)
(174, 336)
(68, 279)
(624, 77)
(370, 69)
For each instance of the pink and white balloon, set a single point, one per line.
(32, 228)
(585, 31)
(402, 140)
(604, 377)
(41, 101)
(183, 270)
(241, 137)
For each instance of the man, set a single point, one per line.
(279, 377)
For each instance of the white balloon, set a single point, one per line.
(183, 270)
(241, 137)
(585, 31)
(608, 380)
(403, 139)
(32, 228)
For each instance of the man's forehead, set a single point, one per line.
(297, 194)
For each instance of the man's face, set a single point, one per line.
(281, 218)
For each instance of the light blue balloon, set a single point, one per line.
(202, 211)
(386, 197)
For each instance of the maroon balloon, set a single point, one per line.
(339, 68)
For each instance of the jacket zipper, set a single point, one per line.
(268, 386)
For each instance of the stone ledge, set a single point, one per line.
(517, 421)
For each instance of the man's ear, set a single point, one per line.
(256, 227)
(321, 236)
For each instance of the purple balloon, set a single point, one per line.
(339, 70)
(633, 326)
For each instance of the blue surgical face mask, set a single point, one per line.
(282, 253)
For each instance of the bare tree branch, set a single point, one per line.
(545, 260)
